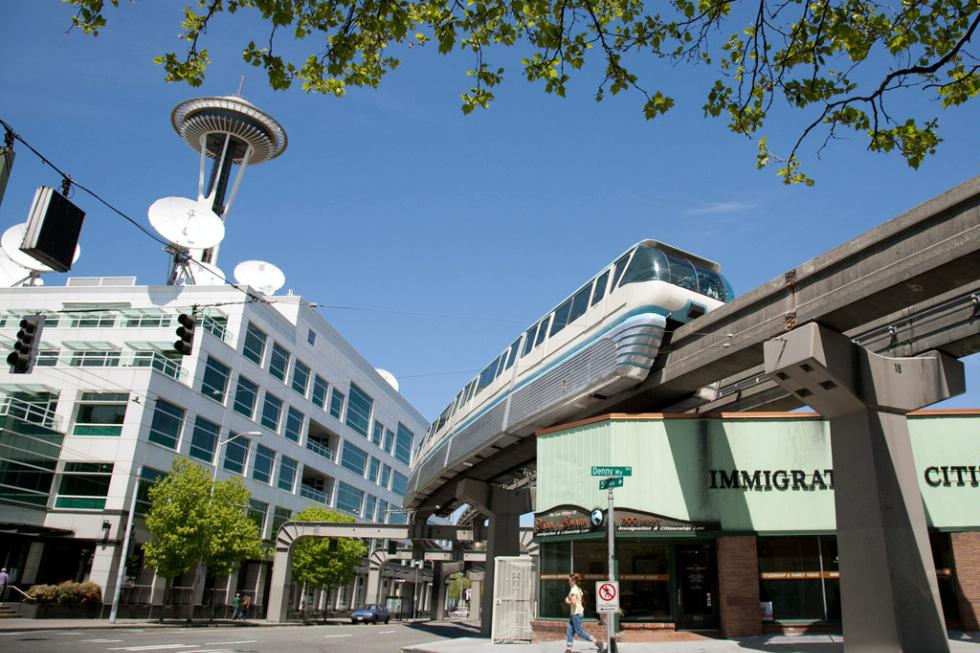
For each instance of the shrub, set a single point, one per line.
(67, 593)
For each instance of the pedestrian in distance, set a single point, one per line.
(246, 604)
(574, 601)
(237, 604)
(4, 581)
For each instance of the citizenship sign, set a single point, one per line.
(607, 596)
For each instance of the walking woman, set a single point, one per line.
(576, 610)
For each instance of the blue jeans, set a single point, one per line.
(575, 628)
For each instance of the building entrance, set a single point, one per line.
(697, 592)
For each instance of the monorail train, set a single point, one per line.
(597, 342)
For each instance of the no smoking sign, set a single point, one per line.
(607, 596)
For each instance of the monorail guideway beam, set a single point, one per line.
(889, 594)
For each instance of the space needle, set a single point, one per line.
(229, 131)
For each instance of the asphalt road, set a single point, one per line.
(230, 639)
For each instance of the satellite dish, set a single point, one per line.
(207, 274)
(261, 275)
(11, 241)
(186, 222)
(11, 274)
(389, 377)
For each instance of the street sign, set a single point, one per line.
(607, 596)
(608, 483)
(600, 470)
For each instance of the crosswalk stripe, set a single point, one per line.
(154, 647)
(335, 636)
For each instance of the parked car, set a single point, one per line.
(373, 612)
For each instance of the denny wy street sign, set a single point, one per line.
(600, 470)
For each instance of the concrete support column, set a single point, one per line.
(966, 563)
(33, 563)
(279, 591)
(476, 599)
(738, 586)
(197, 598)
(158, 589)
(374, 592)
(437, 593)
(104, 568)
(504, 509)
(889, 594)
(262, 573)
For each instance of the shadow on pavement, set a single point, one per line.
(448, 629)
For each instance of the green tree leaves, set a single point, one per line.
(194, 521)
(326, 562)
(834, 61)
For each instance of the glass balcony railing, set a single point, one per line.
(101, 358)
(321, 450)
(312, 493)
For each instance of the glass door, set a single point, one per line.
(697, 594)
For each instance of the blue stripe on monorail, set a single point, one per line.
(641, 310)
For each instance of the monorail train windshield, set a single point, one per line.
(653, 264)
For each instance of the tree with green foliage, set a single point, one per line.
(842, 63)
(195, 521)
(327, 562)
(457, 587)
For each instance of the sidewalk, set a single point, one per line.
(958, 643)
(28, 625)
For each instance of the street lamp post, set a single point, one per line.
(221, 443)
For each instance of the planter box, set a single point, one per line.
(30, 610)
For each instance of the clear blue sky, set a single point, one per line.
(391, 199)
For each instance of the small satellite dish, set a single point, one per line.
(261, 275)
(11, 274)
(186, 222)
(11, 241)
(202, 274)
(389, 377)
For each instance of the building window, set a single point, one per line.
(92, 320)
(254, 345)
(311, 337)
(374, 469)
(236, 453)
(99, 358)
(353, 459)
(359, 410)
(166, 362)
(385, 476)
(101, 413)
(271, 411)
(336, 403)
(349, 499)
(799, 577)
(399, 484)
(382, 512)
(319, 394)
(257, 510)
(148, 478)
(265, 460)
(216, 324)
(278, 362)
(301, 378)
(377, 434)
(389, 440)
(204, 439)
(84, 486)
(246, 396)
(214, 384)
(397, 516)
(403, 444)
(47, 358)
(287, 474)
(294, 424)
(279, 517)
(370, 504)
(167, 422)
(150, 319)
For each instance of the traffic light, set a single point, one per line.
(185, 334)
(21, 359)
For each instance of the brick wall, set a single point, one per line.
(966, 559)
(738, 586)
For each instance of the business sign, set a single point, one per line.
(575, 520)
(607, 596)
(598, 470)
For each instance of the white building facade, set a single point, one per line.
(110, 404)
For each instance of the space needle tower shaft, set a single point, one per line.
(226, 131)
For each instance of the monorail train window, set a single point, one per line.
(542, 331)
(469, 390)
(649, 264)
(561, 317)
(711, 284)
(529, 340)
(580, 302)
(500, 365)
(512, 356)
(486, 376)
(600, 288)
(620, 266)
(682, 273)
